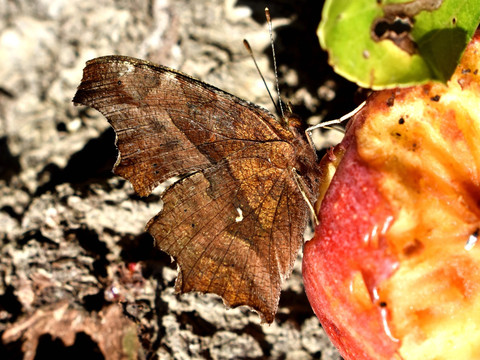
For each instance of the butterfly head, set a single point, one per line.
(293, 122)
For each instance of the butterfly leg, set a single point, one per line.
(301, 186)
(325, 124)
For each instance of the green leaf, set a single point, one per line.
(383, 44)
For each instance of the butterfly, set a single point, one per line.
(234, 221)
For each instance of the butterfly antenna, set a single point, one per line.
(249, 49)
(270, 31)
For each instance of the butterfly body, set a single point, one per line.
(234, 222)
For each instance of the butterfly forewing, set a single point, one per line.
(235, 221)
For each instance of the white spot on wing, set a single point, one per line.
(128, 69)
(240, 215)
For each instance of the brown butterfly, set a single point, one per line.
(235, 220)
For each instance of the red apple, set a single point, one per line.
(393, 271)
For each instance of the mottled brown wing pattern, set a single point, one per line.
(235, 221)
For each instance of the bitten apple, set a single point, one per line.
(393, 271)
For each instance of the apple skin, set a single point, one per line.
(390, 272)
(351, 210)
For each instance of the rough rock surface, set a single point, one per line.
(78, 275)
